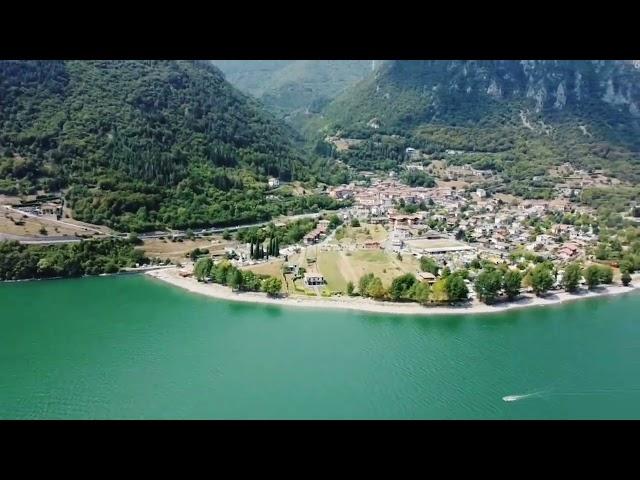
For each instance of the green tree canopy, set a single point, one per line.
(488, 285)
(572, 276)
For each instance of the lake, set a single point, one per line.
(131, 347)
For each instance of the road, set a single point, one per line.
(58, 222)
(145, 236)
(211, 231)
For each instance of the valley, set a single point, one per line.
(423, 178)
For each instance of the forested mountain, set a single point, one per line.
(511, 114)
(145, 144)
(291, 88)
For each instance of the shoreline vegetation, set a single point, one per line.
(87, 258)
(171, 276)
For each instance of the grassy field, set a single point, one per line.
(436, 243)
(359, 235)
(178, 250)
(339, 268)
(274, 269)
(329, 266)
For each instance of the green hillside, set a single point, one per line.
(518, 117)
(145, 144)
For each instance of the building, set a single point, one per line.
(428, 277)
(371, 245)
(313, 279)
(311, 237)
(411, 153)
(51, 209)
(481, 193)
(568, 251)
(397, 239)
(274, 182)
(405, 219)
(323, 224)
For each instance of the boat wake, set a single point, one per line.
(515, 398)
(549, 393)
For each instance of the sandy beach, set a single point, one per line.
(171, 276)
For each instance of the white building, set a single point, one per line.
(274, 182)
(313, 279)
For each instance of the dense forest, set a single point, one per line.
(93, 257)
(141, 145)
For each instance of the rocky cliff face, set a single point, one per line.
(439, 88)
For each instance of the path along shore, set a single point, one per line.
(171, 276)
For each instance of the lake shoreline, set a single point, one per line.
(172, 277)
(130, 271)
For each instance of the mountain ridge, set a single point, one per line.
(142, 144)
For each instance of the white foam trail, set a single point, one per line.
(547, 393)
(515, 398)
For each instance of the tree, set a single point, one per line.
(512, 282)
(226, 235)
(203, 268)
(626, 279)
(460, 234)
(592, 276)
(541, 279)
(456, 288)
(272, 286)
(597, 274)
(488, 285)
(420, 292)
(376, 289)
(606, 274)
(363, 283)
(235, 279)
(134, 239)
(334, 221)
(627, 265)
(428, 264)
(602, 252)
(350, 288)
(219, 272)
(250, 281)
(399, 257)
(401, 285)
(572, 276)
(111, 267)
(439, 291)
(355, 222)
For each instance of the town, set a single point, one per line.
(392, 229)
(388, 230)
